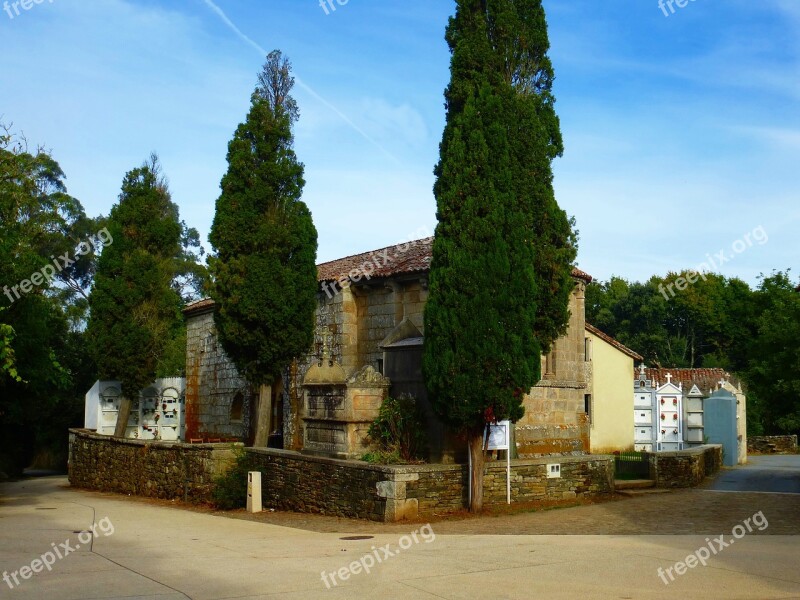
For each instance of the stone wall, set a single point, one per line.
(772, 444)
(302, 483)
(213, 385)
(555, 422)
(312, 484)
(146, 468)
(291, 481)
(685, 468)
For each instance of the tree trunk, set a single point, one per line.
(478, 457)
(122, 417)
(263, 421)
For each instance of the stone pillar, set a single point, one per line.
(348, 330)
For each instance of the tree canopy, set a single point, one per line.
(264, 272)
(714, 322)
(135, 310)
(500, 275)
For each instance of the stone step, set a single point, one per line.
(633, 484)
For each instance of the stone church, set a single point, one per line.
(369, 336)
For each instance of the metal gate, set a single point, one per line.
(632, 465)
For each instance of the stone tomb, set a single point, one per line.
(337, 410)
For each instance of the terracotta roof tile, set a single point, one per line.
(705, 379)
(616, 343)
(411, 257)
(198, 305)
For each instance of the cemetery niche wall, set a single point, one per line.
(156, 414)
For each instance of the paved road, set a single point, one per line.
(762, 474)
(144, 550)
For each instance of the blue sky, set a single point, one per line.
(682, 132)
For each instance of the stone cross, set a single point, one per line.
(669, 377)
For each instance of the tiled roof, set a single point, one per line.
(198, 305)
(411, 257)
(616, 343)
(576, 272)
(705, 379)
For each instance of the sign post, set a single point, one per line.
(499, 438)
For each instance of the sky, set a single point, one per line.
(681, 125)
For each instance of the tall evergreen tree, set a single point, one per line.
(500, 276)
(264, 272)
(134, 309)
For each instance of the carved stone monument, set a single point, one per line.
(337, 411)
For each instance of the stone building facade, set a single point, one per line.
(555, 421)
(218, 401)
(370, 314)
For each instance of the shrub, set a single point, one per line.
(398, 433)
(383, 457)
(230, 488)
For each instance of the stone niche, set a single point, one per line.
(337, 411)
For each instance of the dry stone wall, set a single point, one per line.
(772, 444)
(146, 468)
(685, 468)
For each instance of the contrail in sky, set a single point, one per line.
(232, 26)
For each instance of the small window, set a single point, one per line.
(587, 406)
(379, 366)
(550, 364)
(237, 406)
(587, 349)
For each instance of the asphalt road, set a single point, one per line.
(62, 544)
(762, 474)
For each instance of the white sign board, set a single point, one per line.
(499, 438)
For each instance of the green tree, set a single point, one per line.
(773, 374)
(43, 366)
(264, 273)
(500, 276)
(707, 323)
(135, 311)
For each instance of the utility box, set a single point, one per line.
(254, 492)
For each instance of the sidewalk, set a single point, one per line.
(169, 553)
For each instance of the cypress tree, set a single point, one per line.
(134, 310)
(500, 275)
(264, 272)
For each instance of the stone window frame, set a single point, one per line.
(238, 398)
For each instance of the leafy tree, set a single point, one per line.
(500, 276)
(8, 362)
(43, 367)
(774, 371)
(264, 272)
(135, 311)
